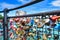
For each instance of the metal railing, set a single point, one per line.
(6, 11)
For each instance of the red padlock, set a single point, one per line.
(16, 19)
(54, 18)
(23, 38)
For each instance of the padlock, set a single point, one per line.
(49, 29)
(39, 25)
(26, 27)
(56, 37)
(18, 38)
(44, 37)
(49, 35)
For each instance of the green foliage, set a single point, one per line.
(1, 17)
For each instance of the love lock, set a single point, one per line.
(48, 23)
(49, 35)
(49, 29)
(53, 25)
(56, 37)
(44, 37)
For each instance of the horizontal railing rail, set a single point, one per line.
(25, 5)
(57, 12)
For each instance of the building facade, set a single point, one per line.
(19, 13)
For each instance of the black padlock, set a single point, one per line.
(49, 29)
(56, 37)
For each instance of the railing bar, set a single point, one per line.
(25, 5)
(37, 14)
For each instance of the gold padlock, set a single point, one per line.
(18, 38)
(44, 37)
(39, 25)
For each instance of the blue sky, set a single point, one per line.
(44, 6)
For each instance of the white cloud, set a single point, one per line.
(6, 5)
(24, 1)
(21, 0)
(56, 3)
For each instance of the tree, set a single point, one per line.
(1, 17)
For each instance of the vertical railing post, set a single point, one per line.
(5, 25)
